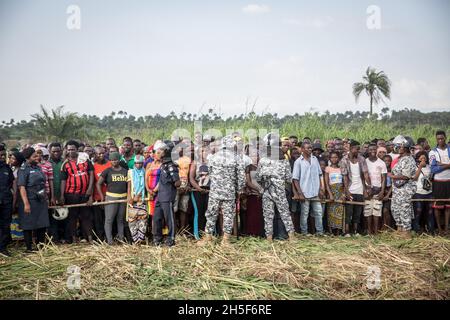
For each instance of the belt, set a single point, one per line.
(116, 195)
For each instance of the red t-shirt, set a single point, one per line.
(76, 176)
(98, 169)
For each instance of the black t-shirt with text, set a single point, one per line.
(115, 180)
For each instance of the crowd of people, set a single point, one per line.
(274, 187)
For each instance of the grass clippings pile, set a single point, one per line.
(309, 268)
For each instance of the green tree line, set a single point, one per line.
(58, 124)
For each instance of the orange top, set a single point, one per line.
(98, 169)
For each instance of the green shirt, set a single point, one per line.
(129, 162)
(57, 177)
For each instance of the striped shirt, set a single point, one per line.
(47, 169)
(76, 176)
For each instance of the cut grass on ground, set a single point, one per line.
(251, 268)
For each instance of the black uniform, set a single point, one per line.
(164, 203)
(6, 203)
(33, 179)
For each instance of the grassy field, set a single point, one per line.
(309, 268)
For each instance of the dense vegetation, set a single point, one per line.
(61, 125)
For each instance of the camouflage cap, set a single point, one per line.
(228, 142)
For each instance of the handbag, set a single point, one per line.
(41, 195)
(427, 184)
(400, 183)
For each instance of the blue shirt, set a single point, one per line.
(308, 174)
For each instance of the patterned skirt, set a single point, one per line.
(336, 210)
(137, 221)
(16, 232)
(401, 205)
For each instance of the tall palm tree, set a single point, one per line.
(56, 124)
(375, 84)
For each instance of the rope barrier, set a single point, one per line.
(363, 203)
(315, 200)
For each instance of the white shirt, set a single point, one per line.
(376, 169)
(356, 186)
(427, 172)
(441, 157)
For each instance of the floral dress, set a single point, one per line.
(152, 179)
(401, 207)
(335, 210)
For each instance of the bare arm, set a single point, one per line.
(192, 174)
(297, 190)
(99, 185)
(399, 177)
(26, 203)
(129, 197)
(321, 188)
(346, 188)
(327, 186)
(419, 171)
(14, 189)
(383, 185)
(52, 192)
(368, 182)
(63, 189)
(443, 165)
(90, 188)
(147, 173)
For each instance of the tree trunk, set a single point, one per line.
(371, 102)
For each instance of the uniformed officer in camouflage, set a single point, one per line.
(273, 172)
(227, 177)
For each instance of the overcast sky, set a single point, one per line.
(149, 57)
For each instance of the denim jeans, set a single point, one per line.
(317, 214)
(114, 211)
(423, 209)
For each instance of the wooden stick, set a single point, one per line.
(363, 203)
(99, 203)
(430, 200)
(315, 200)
